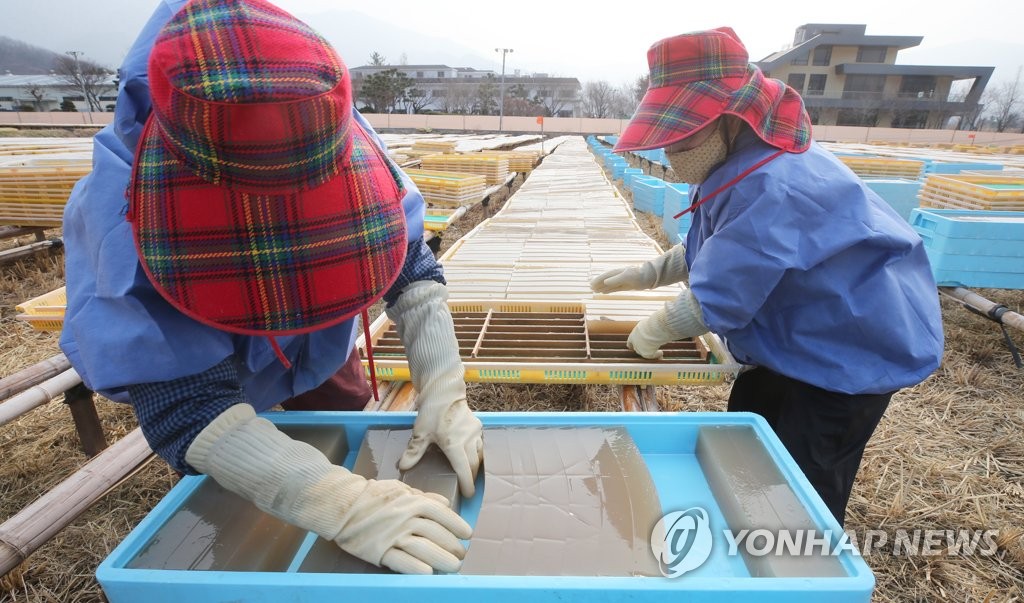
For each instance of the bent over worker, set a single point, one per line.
(814, 282)
(239, 216)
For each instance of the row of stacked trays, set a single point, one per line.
(616, 164)
(650, 194)
(962, 191)
(677, 199)
(448, 188)
(901, 178)
(886, 167)
(494, 168)
(973, 248)
(36, 180)
(654, 156)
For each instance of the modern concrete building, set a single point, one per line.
(47, 92)
(848, 78)
(444, 89)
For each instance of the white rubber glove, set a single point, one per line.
(383, 522)
(666, 269)
(428, 333)
(679, 319)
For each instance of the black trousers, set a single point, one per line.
(826, 432)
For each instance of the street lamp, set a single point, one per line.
(501, 93)
(81, 81)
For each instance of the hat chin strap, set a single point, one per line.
(277, 352)
(365, 318)
(743, 175)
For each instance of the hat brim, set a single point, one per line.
(669, 114)
(269, 264)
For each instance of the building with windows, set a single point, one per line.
(49, 93)
(848, 78)
(455, 90)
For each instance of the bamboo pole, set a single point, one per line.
(22, 534)
(38, 395)
(639, 398)
(630, 399)
(404, 400)
(25, 250)
(33, 375)
(986, 307)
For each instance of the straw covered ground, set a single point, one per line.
(949, 454)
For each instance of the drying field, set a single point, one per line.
(949, 454)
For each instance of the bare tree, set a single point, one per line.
(640, 88)
(378, 60)
(38, 94)
(598, 99)
(90, 79)
(415, 100)
(458, 98)
(551, 106)
(1003, 103)
(623, 102)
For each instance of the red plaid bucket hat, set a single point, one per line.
(258, 203)
(697, 77)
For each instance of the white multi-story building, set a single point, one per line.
(444, 89)
(48, 93)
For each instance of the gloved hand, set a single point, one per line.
(383, 522)
(666, 269)
(426, 328)
(679, 319)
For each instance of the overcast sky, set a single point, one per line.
(589, 40)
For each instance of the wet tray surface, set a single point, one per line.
(203, 544)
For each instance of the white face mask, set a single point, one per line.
(693, 166)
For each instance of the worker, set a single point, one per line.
(239, 215)
(818, 287)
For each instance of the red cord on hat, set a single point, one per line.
(280, 355)
(369, 355)
(745, 173)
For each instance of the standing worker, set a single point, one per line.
(813, 281)
(239, 216)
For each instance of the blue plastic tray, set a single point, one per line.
(975, 278)
(950, 167)
(629, 173)
(667, 442)
(900, 194)
(970, 223)
(677, 198)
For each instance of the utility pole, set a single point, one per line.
(81, 81)
(501, 90)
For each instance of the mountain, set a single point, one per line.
(102, 31)
(21, 58)
(104, 36)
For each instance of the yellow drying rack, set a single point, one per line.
(718, 365)
(46, 312)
